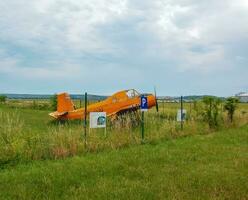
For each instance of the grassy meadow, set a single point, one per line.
(44, 159)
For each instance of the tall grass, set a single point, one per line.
(10, 130)
(59, 140)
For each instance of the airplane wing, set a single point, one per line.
(124, 110)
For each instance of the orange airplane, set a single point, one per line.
(119, 103)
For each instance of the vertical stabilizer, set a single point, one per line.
(65, 103)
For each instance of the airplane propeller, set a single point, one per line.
(156, 100)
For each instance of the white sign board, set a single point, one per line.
(97, 119)
(179, 115)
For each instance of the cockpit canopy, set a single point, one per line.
(123, 95)
(132, 93)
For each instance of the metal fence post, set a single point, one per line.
(85, 120)
(142, 126)
(181, 112)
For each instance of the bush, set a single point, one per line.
(230, 106)
(54, 102)
(211, 111)
(3, 99)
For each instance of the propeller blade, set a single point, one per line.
(155, 94)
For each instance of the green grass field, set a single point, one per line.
(211, 166)
(40, 159)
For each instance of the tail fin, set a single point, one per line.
(64, 103)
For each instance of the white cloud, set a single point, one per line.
(59, 24)
(240, 4)
(73, 39)
(209, 61)
(7, 62)
(211, 25)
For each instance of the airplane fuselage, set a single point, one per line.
(118, 103)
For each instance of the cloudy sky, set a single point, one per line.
(100, 46)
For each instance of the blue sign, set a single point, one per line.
(143, 103)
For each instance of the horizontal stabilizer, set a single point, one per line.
(57, 114)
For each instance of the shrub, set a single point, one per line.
(211, 111)
(3, 99)
(230, 106)
(54, 102)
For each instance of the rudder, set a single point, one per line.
(64, 103)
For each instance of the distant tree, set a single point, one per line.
(211, 110)
(54, 102)
(230, 106)
(3, 99)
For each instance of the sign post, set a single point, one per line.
(85, 120)
(144, 108)
(181, 112)
(181, 117)
(142, 125)
(98, 120)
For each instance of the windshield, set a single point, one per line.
(132, 93)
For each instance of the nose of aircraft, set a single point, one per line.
(151, 101)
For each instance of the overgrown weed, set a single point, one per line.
(65, 139)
